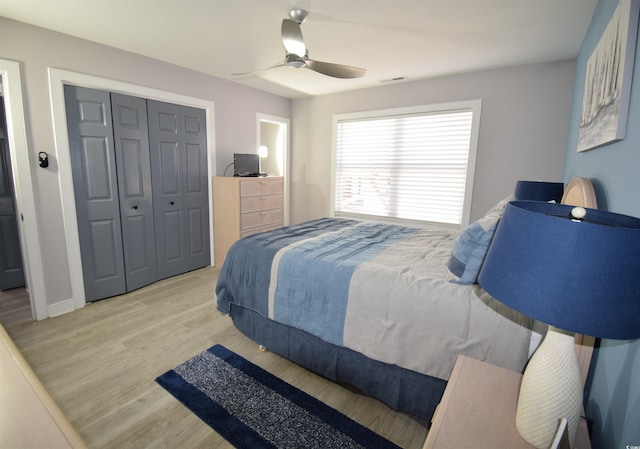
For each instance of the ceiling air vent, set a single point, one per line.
(395, 79)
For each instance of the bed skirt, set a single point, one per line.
(401, 389)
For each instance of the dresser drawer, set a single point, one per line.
(261, 202)
(252, 231)
(261, 218)
(251, 187)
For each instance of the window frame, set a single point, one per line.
(474, 105)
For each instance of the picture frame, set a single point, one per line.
(607, 84)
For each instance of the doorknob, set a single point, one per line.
(171, 203)
(134, 207)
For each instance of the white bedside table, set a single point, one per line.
(478, 410)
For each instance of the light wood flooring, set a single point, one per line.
(99, 364)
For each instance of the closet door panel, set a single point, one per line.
(181, 195)
(133, 163)
(96, 192)
(101, 202)
(172, 224)
(169, 168)
(196, 243)
(167, 165)
(196, 196)
(107, 259)
(137, 262)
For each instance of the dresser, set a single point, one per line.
(245, 206)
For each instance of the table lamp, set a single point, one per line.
(577, 270)
(539, 191)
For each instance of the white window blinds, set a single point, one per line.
(407, 166)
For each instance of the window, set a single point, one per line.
(409, 164)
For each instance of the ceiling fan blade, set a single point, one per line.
(297, 56)
(335, 70)
(259, 71)
(292, 38)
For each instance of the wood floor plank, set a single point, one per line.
(99, 364)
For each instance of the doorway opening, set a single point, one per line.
(273, 141)
(11, 272)
(23, 187)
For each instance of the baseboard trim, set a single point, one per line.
(61, 307)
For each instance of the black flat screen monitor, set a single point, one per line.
(246, 164)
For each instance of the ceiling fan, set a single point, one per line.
(297, 55)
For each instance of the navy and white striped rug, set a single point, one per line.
(253, 409)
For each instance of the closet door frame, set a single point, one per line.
(57, 79)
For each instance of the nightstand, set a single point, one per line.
(478, 410)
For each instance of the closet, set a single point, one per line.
(140, 186)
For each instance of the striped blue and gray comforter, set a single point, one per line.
(376, 288)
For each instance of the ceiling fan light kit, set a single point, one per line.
(295, 61)
(297, 55)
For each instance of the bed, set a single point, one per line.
(382, 308)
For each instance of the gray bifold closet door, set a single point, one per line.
(114, 192)
(178, 142)
(133, 166)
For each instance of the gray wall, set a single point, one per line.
(523, 129)
(613, 388)
(37, 49)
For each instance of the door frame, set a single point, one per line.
(57, 79)
(285, 126)
(20, 154)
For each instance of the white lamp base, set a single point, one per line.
(551, 389)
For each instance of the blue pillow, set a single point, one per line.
(471, 246)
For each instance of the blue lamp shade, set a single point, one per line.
(539, 191)
(578, 275)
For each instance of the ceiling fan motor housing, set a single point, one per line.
(299, 15)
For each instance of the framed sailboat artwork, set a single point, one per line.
(607, 85)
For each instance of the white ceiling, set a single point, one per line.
(415, 39)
